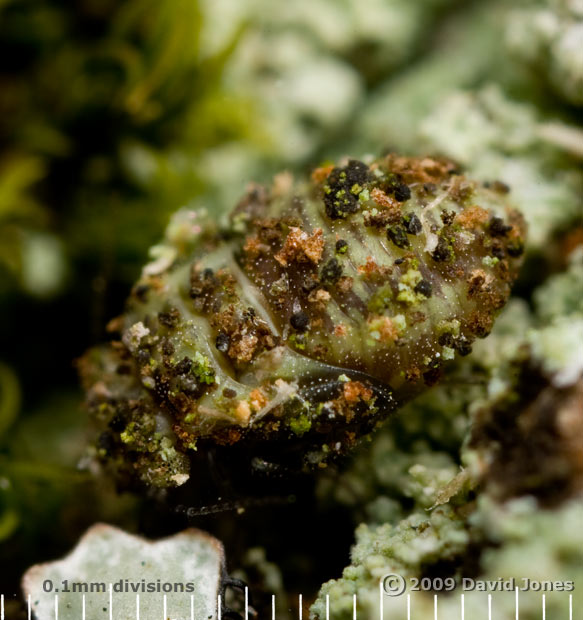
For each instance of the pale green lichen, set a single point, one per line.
(562, 293)
(558, 348)
(546, 35)
(556, 341)
(419, 540)
(526, 543)
(498, 138)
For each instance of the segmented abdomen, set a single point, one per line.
(316, 311)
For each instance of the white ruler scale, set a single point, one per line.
(489, 601)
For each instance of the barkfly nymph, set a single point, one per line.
(293, 329)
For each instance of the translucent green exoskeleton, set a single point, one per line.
(301, 323)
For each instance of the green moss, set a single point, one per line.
(381, 299)
(364, 196)
(447, 353)
(490, 261)
(449, 327)
(407, 284)
(300, 425)
(202, 369)
(127, 435)
(297, 341)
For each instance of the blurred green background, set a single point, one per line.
(115, 114)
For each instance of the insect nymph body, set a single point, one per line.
(315, 312)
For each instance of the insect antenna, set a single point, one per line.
(239, 505)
